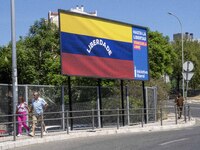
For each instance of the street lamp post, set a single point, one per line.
(14, 65)
(182, 49)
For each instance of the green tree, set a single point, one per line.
(43, 46)
(161, 55)
(5, 64)
(191, 53)
(38, 57)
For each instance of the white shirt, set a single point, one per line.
(38, 105)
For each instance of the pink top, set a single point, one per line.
(22, 107)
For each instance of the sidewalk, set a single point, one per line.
(168, 124)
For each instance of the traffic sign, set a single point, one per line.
(188, 75)
(188, 66)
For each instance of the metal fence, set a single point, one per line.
(90, 116)
(83, 98)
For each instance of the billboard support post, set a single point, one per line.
(144, 102)
(122, 101)
(100, 103)
(70, 102)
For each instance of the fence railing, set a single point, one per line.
(110, 118)
(59, 98)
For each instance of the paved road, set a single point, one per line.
(195, 110)
(186, 139)
(194, 106)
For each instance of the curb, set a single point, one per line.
(98, 132)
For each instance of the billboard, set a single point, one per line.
(140, 54)
(102, 48)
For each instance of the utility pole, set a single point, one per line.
(14, 66)
(182, 52)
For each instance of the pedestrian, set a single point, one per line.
(21, 111)
(38, 107)
(179, 103)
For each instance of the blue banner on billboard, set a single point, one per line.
(140, 54)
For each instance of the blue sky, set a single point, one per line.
(148, 13)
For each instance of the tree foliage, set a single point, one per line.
(43, 44)
(161, 55)
(5, 64)
(191, 53)
(38, 57)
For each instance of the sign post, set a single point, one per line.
(187, 74)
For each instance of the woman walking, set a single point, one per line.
(22, 109)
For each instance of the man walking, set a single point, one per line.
(179, 103)
(38, 106)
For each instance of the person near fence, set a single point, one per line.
(21, 111)
(37, 108)
(179, 103)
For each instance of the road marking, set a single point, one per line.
(169, 142)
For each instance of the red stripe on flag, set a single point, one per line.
(92, 66)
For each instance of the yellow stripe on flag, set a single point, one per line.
(91, 26)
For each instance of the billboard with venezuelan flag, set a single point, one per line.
(102, 48)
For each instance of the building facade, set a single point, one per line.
(53, 16)
(186, 36)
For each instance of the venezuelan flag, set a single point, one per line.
(95, 47)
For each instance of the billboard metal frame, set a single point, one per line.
(142, 35)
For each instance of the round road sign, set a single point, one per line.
(188, 66)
